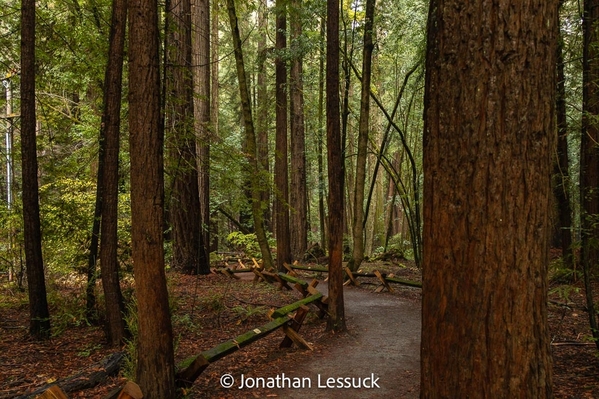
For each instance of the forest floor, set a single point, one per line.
(382, 341)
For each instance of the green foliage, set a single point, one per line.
(249, 311)
(213, 302)
(65, 208)
(560, 273)
(130, 349)
(88, 349)
(246, 243)
(564, 291)
(67, 306)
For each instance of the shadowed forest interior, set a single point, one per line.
(193, 190)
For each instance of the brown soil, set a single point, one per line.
(382, 341)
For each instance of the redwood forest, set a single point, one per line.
(299, 199)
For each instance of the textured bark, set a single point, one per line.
(201, 101)
(281, 165)
(589, 154)
(184, 210)
(250, 139)
(155, 363)
(298, 195)
(488, 146)
(336, 321)
(111, 125)
(358, 215)
(39, 316)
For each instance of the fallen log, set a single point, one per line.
(89, 378)
(296, 305)
(191, 368)
(311, 268)
(404, 282)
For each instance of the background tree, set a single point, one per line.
(39, 316)
(336, 321)
(201, 69)
(155, 364)
(364, 128)
(262, 142)
(589, 155)
(298, 194)
(281, 158)
(111, 125)
(488, 158)
(250, 139)
(561, 184)
(184, 209)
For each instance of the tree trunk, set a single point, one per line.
(321, 138)
(155, 363)
(184, 207)
(111, 125)
(281, 165)
(91, 313)
(263, 106)
(358, 216)
(589, 154)
(250, 139)
(488, 145)
(39, 316)
(336, 321)
(201, 101)
(213, 245)
(299, 192)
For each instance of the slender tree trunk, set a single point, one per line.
(201, 100)
(589, 154)
(250, 139)
(214, 105)
(111, 126)
(358, 216)
(39, 316)
(184, 208)
(299, 192)
(155, 363)
(487, 163)
(214, 73)
(321, 138)
(263, 105)
(336, 321)
(281, 165)
(91, 313)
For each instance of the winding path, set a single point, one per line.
(383, 342)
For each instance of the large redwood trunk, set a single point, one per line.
(488, 146)
(155, 364)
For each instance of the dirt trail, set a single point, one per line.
(383, 342)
